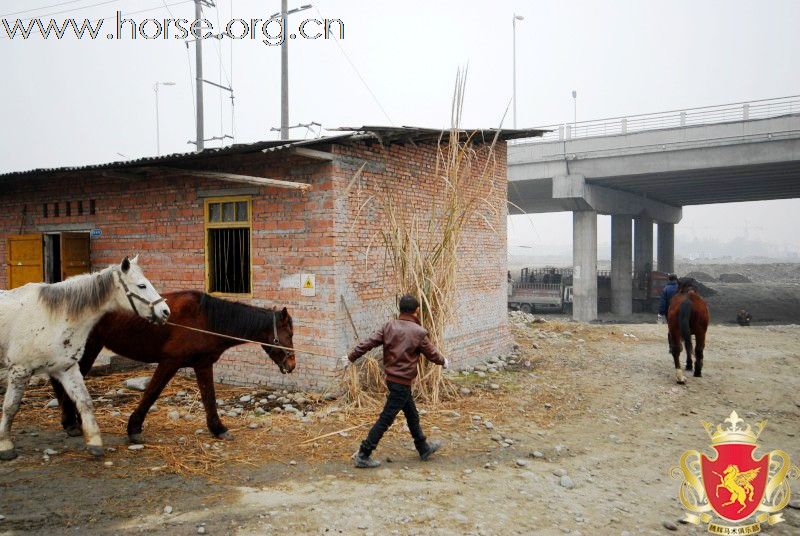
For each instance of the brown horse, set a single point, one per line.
(174, 347)
(688, 315)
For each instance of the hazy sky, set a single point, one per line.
(81, 101)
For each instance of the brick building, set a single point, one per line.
(248, 221)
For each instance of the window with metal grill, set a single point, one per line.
(228, 229)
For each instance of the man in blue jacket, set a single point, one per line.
(666, 295)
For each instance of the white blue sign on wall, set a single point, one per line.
(95, 233)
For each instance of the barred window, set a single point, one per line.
(228, 228)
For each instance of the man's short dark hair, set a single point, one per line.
(408, 304)
(673, 277)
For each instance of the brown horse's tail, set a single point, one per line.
(684, 320)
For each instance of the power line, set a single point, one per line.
(71, 10)
(358, 73)
(39, 8)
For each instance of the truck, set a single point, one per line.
(541, 290)
(550, 290)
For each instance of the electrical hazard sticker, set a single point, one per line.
(308, 285)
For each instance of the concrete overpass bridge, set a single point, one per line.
(642, 170)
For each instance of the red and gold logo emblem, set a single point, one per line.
(727, 489)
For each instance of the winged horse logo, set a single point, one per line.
(738, 485)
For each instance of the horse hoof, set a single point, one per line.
(698, 375)
(74, 431)
(226, 436)
(96, 451)
(681, 381)
(135, 439)
(688, 367)
(8, 455)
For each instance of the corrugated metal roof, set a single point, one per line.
(378, 133)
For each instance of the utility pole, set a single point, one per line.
(284, 72)
(198, 59)
(514, 53)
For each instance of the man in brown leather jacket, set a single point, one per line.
(403, 340)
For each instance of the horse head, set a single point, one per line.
(137, 291)
(280, 333)
(686, 284)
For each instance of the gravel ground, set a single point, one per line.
(585, 426)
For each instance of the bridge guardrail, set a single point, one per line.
(706, 115)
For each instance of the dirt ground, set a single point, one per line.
(596, 403)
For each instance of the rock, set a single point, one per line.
(559, 472)
(181, 393)
(465, 391)
(201, 530)
(135, 447)
(50, 452)
(497, 437)
(536, 454)
(52, 404)
(137, 384)
(174, 415)
(220, 402)
(168, 509)
(489, 425)
(494, 386)
(108, 464)
(253, 425)
(521, 463)
(299, 400)
(548, 405)
(260, 411)
(2, 518)
(153, 408)
(245, 399)
(669, 525)
(566, 482)
(481, 368)
(292, 462)
(481, 374)
(232, 413)
(115, 413)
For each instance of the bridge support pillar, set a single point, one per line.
(642, 245)
(666, 247)
(621, 280)
(584, 258)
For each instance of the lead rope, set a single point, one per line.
(295, 350)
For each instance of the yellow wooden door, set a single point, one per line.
(25, 260)
(74, 254)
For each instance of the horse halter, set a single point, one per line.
(133, 296)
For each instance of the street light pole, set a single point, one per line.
(514, 53)
(284, 16)
(575, 109)
(158, 126)
(284, 73)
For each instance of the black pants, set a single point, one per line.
(399, 398)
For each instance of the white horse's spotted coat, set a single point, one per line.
(48, 336)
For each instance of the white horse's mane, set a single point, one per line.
(79, 293)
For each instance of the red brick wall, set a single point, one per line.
(292, 233)
(407, 174)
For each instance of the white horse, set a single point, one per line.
(43, 329)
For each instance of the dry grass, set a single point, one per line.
(422, 247)
(176, 447)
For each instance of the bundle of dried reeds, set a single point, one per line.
(422, 247)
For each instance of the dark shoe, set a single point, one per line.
(365, 462)
(429, 449)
